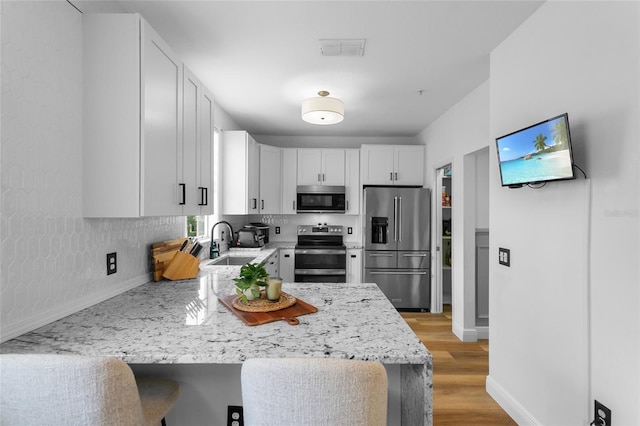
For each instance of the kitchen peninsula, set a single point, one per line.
(180, 330)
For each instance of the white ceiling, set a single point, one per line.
(261, 59)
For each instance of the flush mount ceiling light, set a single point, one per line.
(323, 110)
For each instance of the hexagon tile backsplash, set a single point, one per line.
(52, 260)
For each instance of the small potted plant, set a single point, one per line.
(252, 277)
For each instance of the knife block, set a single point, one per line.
(183, 266)
(162, 253)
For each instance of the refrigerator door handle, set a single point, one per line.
(398, 272)
(381, 254)
(399, 218)
(414, 255)
(395, 218)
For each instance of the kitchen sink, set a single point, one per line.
(231, 260)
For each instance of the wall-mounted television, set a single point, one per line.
(536, 154)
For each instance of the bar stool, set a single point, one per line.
(38, 389)
(313, 391)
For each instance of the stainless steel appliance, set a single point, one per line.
(249, 236)
(320, 255)
(263, 230)
(320, 199)
(397, 241)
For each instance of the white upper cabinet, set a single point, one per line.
(289, 176)
(240, 180)
(205, 153)
(134, 159)
(270, 180)
(392, 165)
(352, 180)
(321, 166)
(197, 146)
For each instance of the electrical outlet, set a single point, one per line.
(234, 415)
(504, 256)
(112, 263)
(602, 414)
(277, 229)
(349, 230)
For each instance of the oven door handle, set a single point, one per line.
(320, 251)
(320, 272)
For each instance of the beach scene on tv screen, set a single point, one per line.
(536, 154)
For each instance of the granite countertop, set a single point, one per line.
(171, 322)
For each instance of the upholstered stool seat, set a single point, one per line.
(76, 390)
(312, 391)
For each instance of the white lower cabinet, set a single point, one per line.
(354, 265)
(272, 264)
(287, 265)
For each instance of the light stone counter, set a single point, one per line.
(182, 322)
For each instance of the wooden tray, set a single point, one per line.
(256, 318)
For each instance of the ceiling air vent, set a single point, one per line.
(341, 47)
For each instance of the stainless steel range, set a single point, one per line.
(321, 255)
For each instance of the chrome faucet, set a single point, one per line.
(214, 250)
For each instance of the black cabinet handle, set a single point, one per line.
(184, 194)
(204, 196)
(262, 206)
(255, 203)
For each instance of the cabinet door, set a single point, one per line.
(409, 165)
(163, 192)
(352, 180)
(354, 265)
(376, 165)
(272, 265)
(333, 167)
(111, 156)
(234, 182)
(287, 265)
(253, 173)
(289, 179)
(190, 141)
(270, 172)
(205, 154)
(309, 167)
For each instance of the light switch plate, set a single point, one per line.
(504, 256)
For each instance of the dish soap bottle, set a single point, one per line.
(214, 250)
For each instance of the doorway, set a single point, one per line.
(443, 290)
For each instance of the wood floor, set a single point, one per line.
(459, 373)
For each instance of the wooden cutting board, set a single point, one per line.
(256, 318)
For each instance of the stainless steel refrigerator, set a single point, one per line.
(397, 233)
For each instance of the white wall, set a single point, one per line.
(52, 261)
(565, 324)
(461, 131)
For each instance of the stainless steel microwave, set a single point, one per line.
(320, 199)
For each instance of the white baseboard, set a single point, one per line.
(465, 334)
(71, 307)
(511, 406)
(483, 332)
